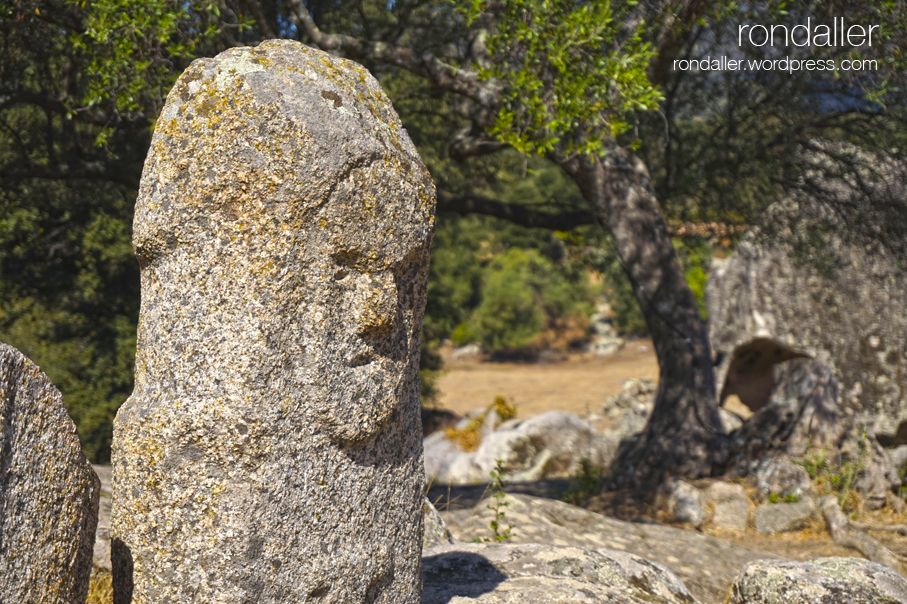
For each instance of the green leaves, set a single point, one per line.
(571, 71)
(130, 48)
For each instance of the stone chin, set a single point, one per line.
(356, 402)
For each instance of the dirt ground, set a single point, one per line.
(580, 384)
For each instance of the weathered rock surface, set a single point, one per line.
(804, 419)
(898, 456)
(783, 478)
(730, 506)
(807, 283)
(545, 574)
(101, 555)
(436, 531)
(48, 491)
(627, 412)
(801, 415)
(545, 446)
(686, 503)
(821, 581)
(706, 565)
(877, 477)
(271, 450)
(781, 517)
(605, 340)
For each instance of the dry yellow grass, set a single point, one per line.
(100, 590)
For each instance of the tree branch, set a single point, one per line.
(528, 216)
(86, 171)
(674, 40)
(10, 98)
(522, 215)
(470, 144)
(447, 77)
(259, 16)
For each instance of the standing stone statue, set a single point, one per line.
(272, 449)
(48, 491)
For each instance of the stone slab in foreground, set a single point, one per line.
(486, 573)
(48, 491)
(706, 564)
(821, 581)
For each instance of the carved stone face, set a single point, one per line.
(362, 329)
(332, 317)
(283, 269)
(271, 450)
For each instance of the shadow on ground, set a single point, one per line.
(458, 497)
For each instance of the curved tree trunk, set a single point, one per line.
(683, 437)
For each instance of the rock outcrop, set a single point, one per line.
(812, 283)
(544, 574)
(545, 446)
(804, 420)
(48, 491)
(822, 581)
(782, 517)
(272, 449)
(706, 564)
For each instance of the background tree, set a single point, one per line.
(560, 79)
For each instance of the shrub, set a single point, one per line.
(523, 293)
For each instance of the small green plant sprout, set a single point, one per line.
(789, 498)
(839, 478)
(497, 493)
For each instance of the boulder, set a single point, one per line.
(627, 412)
(821, 581)
(484, 573)
(605, 340)
(730, 506)
(707, 565)
(445, 462)
(48, 491)
(877, 477)
(545, 446)
(898, 456)
(782, 517)
(784, 479)
(687, 504)
(801, 416)
(812, 282)
(272, 448)
(606, 346)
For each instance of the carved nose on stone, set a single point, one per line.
(378, 305)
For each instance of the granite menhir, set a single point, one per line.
(48, 491)
(272, 449)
